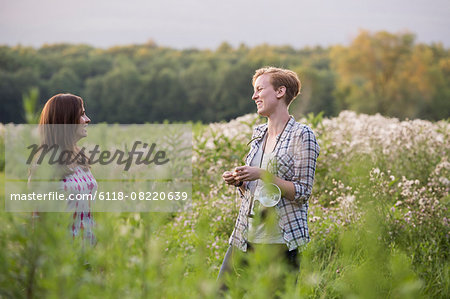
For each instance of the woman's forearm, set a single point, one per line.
(287, 187)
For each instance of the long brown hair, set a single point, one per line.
(62, 109)
(57, 126)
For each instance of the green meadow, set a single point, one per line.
(378, 221)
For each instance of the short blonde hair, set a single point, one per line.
(281, 77)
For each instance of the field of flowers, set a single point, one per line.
(378, 223)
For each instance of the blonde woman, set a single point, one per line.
(292, 150)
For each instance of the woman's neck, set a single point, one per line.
(276, 123)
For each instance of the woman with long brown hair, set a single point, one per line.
(62, 124)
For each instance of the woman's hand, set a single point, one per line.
(247, 173)
(229, 178)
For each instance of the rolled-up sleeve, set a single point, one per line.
(305, 153)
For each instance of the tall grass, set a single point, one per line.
(378, 223)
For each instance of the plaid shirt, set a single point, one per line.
(296, 155)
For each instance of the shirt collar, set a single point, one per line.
(261, 130)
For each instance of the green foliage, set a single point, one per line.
(389, 74)
(314, 120)
(2, 149)
(29, 102)
(378, 226)
(379, 72)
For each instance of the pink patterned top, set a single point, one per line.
(79, 185)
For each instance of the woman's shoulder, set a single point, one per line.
(79, 175)
(301, 129)
(81, 170)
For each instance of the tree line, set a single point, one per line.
(378, 72)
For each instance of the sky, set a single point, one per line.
(206, 23)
